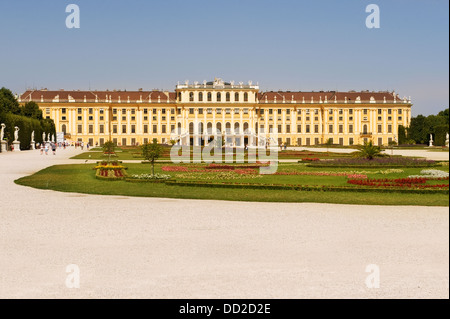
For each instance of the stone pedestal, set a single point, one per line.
(4, 146)
(32, 146)
(16, 146)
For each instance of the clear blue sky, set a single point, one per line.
(284, 44)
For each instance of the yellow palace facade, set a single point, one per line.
(299, 118)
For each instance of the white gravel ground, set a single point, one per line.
(166, 248)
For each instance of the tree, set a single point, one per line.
(329, 143)
(369, 151)
(8, 102)
(152, 152)
(31, 109)
(401, 135)
(108, 148)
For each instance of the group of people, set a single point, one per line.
(45, 147)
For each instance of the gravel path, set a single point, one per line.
(167, 248)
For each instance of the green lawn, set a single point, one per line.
(81, 179)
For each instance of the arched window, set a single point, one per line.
(191, 128)
(245, 97)
(365, 129)
(209, 97)
(179, 129)
(64, 129)
(191, 97)
(236, 127)
(200, 96)
(245, 127)
(209, 128)
(228, 97)
(219, 127)
(219, 97)
(179, 97)
(236, 97)
(228, 127)
(200, 128)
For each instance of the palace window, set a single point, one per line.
(299, 128)
(79, 111)
(191, 111)
(219, 111)
(219, 97)
(91, 118)
(91, 111)
(200, 111)
(209, 97)
(102, 129)
(389, 111)
(341, 128)
(400, 112)
(389, 128)
(316, 128)
(236, 97)
(350, 111)
(114, 129)
(200, 96)
(145, 129)
(380, 129)
(279, 111)
(245, 97)
(308, 129)
(63, 111)
(80, 118)
(133, 129)
(380, 111)
(80, 129)
(163, 129)
(330, 128)
(236, 111)
(365, 111)
(350, 128)
(145, 111)
(124, 129)
(191, 97)
(228, 97)
(155, 129)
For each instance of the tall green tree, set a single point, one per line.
(31, 109)
(8, 102)
(151, 152)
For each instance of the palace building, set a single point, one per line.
(300, 118)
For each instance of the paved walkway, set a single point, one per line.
(167, 248)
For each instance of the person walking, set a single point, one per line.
(42, 148)
(54, 148)
(46, 149)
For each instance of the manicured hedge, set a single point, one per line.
(27, 126)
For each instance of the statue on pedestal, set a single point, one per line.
(16, 134)
(431, 140)
(447, 140)
(2, 134)
(43, 138)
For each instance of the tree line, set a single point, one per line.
(28, 118)
(422, 126)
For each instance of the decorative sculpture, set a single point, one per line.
(2, 134)
(431, 140)
(16, 134)
(447, 140)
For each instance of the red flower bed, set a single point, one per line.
(223, 168)
(400, 182)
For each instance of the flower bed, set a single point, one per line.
(416, 183)
(110, 171)
(185, 169)
(431, 174)
(345, 174)
(305, 187)
(388, 162)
